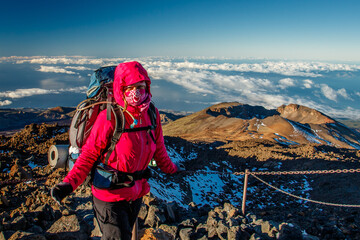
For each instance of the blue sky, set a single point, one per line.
(197, 53)
(316, 30)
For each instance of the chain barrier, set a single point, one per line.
(281, 172)
(308, 172)
(305, 199)
(14, 182)
(337, 171)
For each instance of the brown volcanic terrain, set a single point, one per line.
(27, 211)
(291, 124)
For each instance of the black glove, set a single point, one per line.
(60, 191)
(180, 167)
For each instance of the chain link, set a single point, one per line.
(305, 199)
(307, 172)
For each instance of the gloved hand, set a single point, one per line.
(180, 167)
(60, 191)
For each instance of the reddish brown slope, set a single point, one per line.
(289, 124)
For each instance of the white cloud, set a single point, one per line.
(194, 82)
(286, 82)
(294, 68)
(308, 83)
(328, 92)
(81, 89)
(306, 69)
(5, 103)
(52, 83)
(347, 112)
(207, 82)
(67, 60)
(342, 92)
(21, 93)
(54, 69)
(256, 91)
(332, 94)
(289, 69)
(80, 68)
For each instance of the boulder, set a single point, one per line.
(201, 230)
(143, 212)
(222, 230)
(237, 233)
(186, 233)
(18, 172)
(256, 236)
(188, 223)
(96, 232)
(68, 227)
(289, 231)
(4, 201)
(26, 236)
(19, 223)
(154, 217)
(172, 230)
(170, 211)
(45, 212)
(269, 228)
(35, 229)
(158, 234)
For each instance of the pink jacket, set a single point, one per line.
(133, 151)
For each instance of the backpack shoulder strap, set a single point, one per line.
(152, 114)
(119, 129)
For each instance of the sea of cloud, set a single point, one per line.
(191, 84)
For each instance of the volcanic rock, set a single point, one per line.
(202, 209)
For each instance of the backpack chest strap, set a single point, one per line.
(140, 129)
(148, 129)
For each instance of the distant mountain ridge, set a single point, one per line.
(239, 110)
(11, 119)
(288, 124)
(15, 119)
(231, 121)
(303, 114)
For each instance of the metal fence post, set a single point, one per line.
(247, 172)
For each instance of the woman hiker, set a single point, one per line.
(116, 210)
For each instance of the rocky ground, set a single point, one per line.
(27, 211)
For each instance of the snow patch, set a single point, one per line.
(300, 129)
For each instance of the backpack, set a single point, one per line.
(100, 97)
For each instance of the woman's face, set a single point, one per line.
(138, 85)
